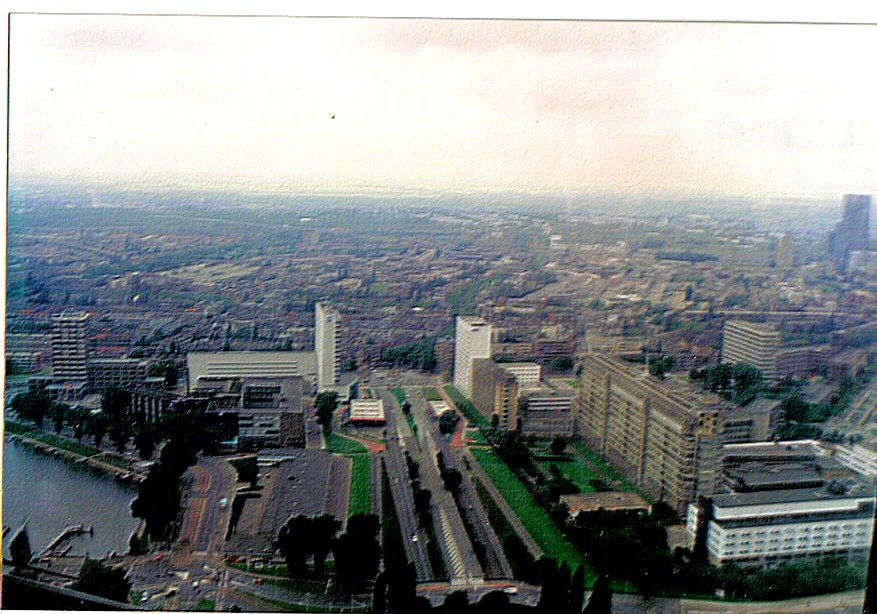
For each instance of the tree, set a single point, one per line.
(577, 590)
(32, 405)
(357, 552)
(453, 480)
(295, 544)
(58, 413)
(379, 595)
(145, 439)
(600, 601)
(102, 580)
(97, 427)
(19, 549)
(448, 422)
(558, 445)
(323, 530)
(325, 407)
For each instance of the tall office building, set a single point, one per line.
(785, 255)
(326, 335)
(473, 341)
(755, 344)
(852, 233)
(665, 440)
(70, 346)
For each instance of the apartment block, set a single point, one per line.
(665, 440)
(754, 344)
(124, 373)
(70, 346)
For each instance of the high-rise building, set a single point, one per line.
(785, 255)
(472, 341)
(665, 440)
(852, 233)
(70, 346)
(754, 344)
(326, 335)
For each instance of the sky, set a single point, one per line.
(564, 107)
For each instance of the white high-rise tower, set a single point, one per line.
(69, 346)
(326, 346)
(473, 341)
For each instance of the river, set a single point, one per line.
(53, 493)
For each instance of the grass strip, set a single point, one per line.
(465, 406)
(535, 519)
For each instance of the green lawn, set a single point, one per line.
(465, 406)
(400, 395)
(360, 486)
(360, 476)
(338, 444)
(432, 394)
(206, 605)
(535, 519)
(577, 471)
(610, 473)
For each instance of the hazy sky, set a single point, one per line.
(568, 107)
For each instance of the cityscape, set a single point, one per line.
(422, 323)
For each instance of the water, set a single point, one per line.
(54, 493)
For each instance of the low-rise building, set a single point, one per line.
(124, 373)
(612, 501)
(765, 528)
(367, 412)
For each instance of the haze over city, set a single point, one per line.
(756, 110)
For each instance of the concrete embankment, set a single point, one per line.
(92, 461)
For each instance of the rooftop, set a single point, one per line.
(609, 501)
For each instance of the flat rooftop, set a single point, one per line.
(614, 501)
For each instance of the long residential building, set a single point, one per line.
(754, 344)
(666, 441)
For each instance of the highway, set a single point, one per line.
(413, 537)
(463, 565)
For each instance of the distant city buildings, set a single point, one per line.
(852, 233)
(785, 254)
(326, 339)
(472, 341)
(754, 344)
(70, 346)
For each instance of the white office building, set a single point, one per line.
(770, 527)
(753, 344)
(472, 341)
(326, 335)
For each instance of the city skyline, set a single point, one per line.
(566, 107)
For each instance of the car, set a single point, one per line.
(414, 538)
(223, 502)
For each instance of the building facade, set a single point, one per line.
(326, 340)
(852, 233)
(70, 346)
(766, 528)
(472, 341)
(665, 441)
(754, 344)
(546, 412)
(124, 373)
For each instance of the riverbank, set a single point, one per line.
(73, 451)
